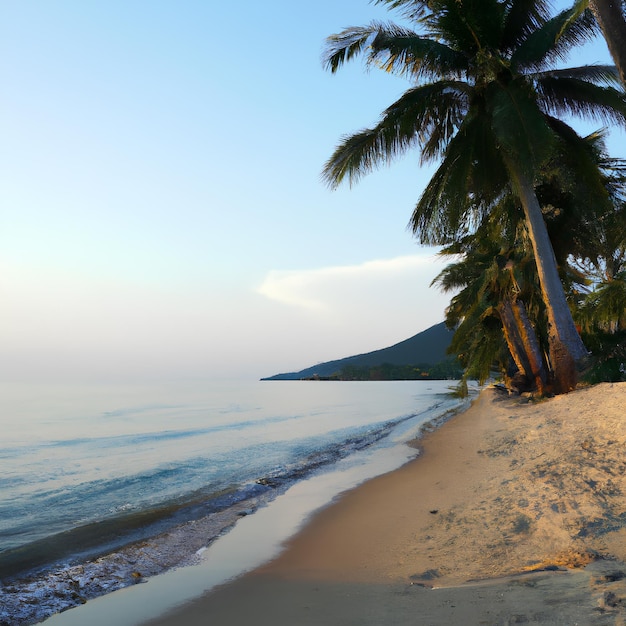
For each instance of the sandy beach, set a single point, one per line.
(514, 512)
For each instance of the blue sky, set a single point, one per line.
(161, 208)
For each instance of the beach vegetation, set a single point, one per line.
(449, 369)
(498, 298)
(496, 286)
(488, 101)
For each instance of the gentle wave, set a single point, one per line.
(122, 487)
(117, 501)
(120, 441)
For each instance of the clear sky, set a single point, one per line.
(161, 208)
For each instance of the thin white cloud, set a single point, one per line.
(326, 289)
(55, 325)
(295, 288)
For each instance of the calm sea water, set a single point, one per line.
(79, 466)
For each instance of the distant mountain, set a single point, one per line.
(425, 348)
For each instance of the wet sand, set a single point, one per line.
(515, 512)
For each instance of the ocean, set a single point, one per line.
(103, 487)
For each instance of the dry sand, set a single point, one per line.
(515, 512)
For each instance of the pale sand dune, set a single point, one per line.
(507, 487)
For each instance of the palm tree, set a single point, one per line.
(604, 307)
(602, 310)
(495, 277)
(485, 93)
(495, 281)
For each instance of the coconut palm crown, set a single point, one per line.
(485, 101)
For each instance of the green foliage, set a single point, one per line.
(444, 213)
(519, 125)
(461, 390)
(608, 360)
(446, 370)
(553, 39)
(580, 192)
(492, 265)
(469, 59)
(605, 307)
(485, 99)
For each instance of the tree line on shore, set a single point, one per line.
(531, 214)
(450, 369)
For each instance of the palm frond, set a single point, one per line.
(470, 25)
(460, 192)
(427, 115)
(444, 105)
(349, 43)
(479, 343)
(579, 7)
(356, 155)
(519, 125)
(595, 73)
(573, 96)
(395, 49)
(607, 304)
(400, 51)
(458, 275)
(580, 160)
(554, 40)
(522, 18)
(411, 9)
(441, 215)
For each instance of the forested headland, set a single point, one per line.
(445, 370)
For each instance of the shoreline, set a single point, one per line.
(255, 527)
(40, 593)
(513, 513)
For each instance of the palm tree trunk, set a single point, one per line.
(531, 345)
(513, 338)
(610, 15)
(566, 346)
(522, 342)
